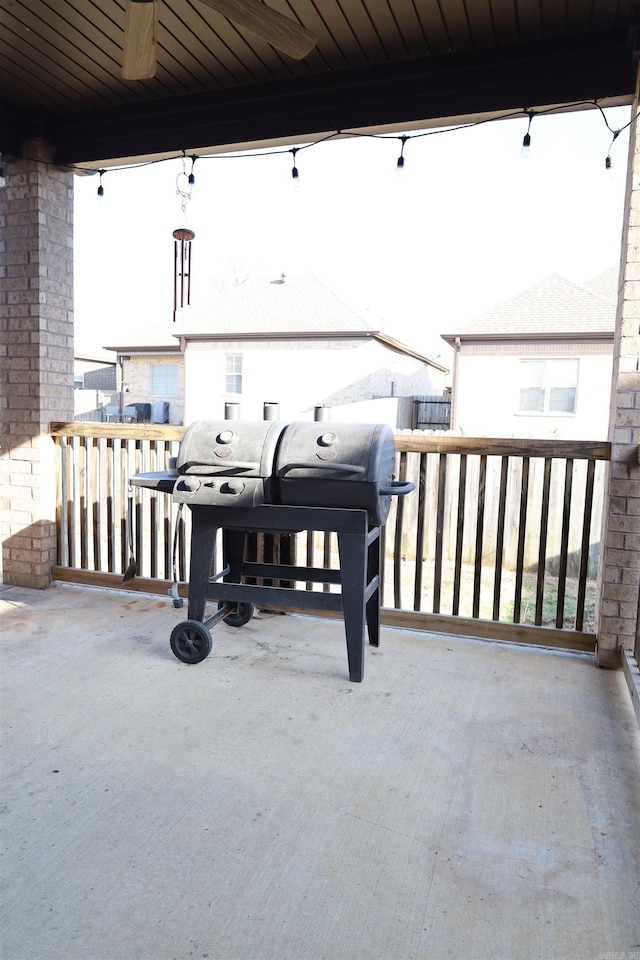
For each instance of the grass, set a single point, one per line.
(507, 594)
(486, 591)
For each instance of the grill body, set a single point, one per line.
(252, 477)
(348, 466)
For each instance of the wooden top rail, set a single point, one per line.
(405, 442)
(565, 449)
(117, 431)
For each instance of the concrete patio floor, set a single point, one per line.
(467, 800)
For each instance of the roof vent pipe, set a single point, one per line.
(271, 411)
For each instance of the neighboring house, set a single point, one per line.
(151, 374)
(539, 364)
(94, 384)
(290, 342)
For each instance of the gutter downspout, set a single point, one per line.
(120, 387)
(454, 384)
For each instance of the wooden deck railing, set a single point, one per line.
(500, 538)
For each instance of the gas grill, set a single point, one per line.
(248, 477)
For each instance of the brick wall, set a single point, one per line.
(137, 378)
(620, 568)
(36, 348)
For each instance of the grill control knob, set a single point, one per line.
(327, 439)
(226, 436)
(235, 486)
(191, 484)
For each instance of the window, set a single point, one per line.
(164, 380)
(233, 369)
(548, 386)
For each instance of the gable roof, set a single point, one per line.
(551, 308)
(297, 304)
(299, 307)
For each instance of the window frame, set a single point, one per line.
(548, 386)
(163, 367)
(233, 374)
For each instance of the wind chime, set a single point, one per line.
(182, 238)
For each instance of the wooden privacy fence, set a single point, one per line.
(500, 539)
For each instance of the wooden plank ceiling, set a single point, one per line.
(377, 64)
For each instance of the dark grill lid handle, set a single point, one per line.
(191, 465)
(324, 465)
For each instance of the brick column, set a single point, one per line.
(36, 358)
(619, 579)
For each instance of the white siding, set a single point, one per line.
(298, 376)
(487, 388)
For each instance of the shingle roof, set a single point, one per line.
(605, 285)
(297, 304)
(553, 306)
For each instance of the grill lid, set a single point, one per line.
(230, 447)
(361, 452)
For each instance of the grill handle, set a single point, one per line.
(206, 467)
(324, 465)
(397, 488)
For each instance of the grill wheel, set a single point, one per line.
(242, 614)
(191, 641)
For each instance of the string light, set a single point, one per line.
(526, 140)
(608, 163)
(400, 163)
(294, 170)
(100, 193)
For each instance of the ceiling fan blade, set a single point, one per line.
(139, 54)
(281, 32)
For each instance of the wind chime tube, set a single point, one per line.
(188, 255)
(175, 278)
(182, 274)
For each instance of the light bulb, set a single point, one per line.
(526, 145)
(400, 163)
(295, 176)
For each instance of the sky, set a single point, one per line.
(468, 224)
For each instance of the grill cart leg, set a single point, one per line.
(353, 566)
(191, 640)
(203, 539)
(373, 574)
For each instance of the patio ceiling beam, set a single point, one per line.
(556, 71)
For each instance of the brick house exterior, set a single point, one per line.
(36, 348)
